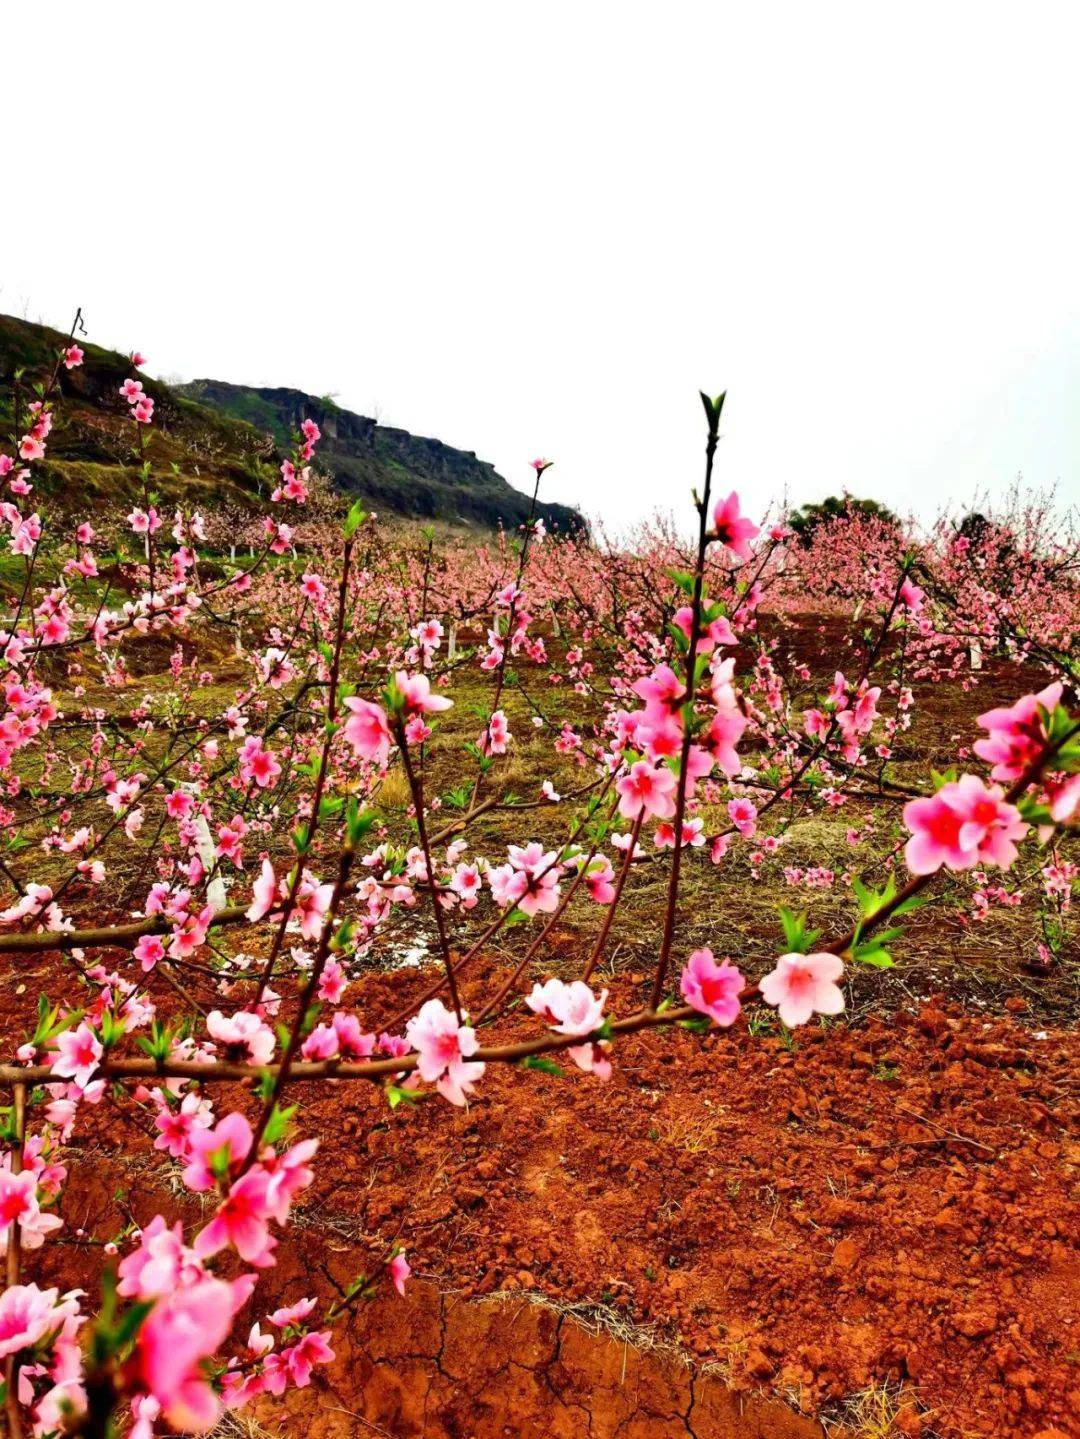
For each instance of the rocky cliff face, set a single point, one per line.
(389, 469)
(216, 443)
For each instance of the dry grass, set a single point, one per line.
(692, 1132)
(872, 1413)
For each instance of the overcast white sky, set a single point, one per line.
(540, 229)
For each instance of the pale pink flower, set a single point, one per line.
(368, 730)
(646, 788)
(592, 1058)
(78, 1052)
(466, 882)
(1065, 801)
(264, 893)
(416, 695)
(444, 1048)
(312, 905)
(243, 1036)
(160, 1264)
(292, 1314)
(28, 1313)
(570, 1009)
(802, 985)
(144, 522)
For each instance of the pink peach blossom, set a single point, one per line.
(733, 529)
(802, 985)
(368, 730)
(444, 1048)
(712, 988)
(646, 788)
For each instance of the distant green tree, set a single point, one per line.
(805, 520)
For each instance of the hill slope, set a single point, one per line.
(389, 469)
(200, 455)
(217, 443)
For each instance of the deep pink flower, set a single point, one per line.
(724, 734)
(241, 1221)
(733, 529)
(257, 763)
(19, 1205)
(399, 1270)
(228, 1143)
(743, 815)
(149, 951)
(1017, 733)
(598, 881)
(717, 632)
(181, 1330)
(912, 597)
(712, 988)
(964, 824)
(990, 826)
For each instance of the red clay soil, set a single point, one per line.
(893, 1202)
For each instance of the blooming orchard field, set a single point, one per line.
(679, 933)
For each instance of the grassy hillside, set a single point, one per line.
(200, 455)
(391, 470)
